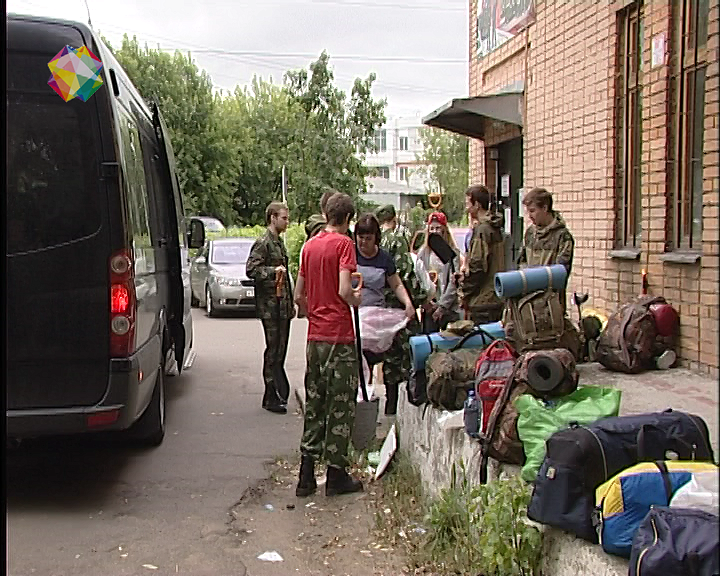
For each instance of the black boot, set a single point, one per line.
(340, 482)
(306, 484)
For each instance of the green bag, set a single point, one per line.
(538, 420)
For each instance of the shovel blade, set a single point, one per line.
(364, 428)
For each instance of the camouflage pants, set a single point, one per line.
(396, 369)
(331, 381)
(277, 386)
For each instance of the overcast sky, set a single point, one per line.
(417, 48)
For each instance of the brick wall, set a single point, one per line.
(567, 60)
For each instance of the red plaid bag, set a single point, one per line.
(493, 367)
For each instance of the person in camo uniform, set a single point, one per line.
(397, 363)
(268, 258)
(324, 289)
(547, 239)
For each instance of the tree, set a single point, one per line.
(200, 143)
(335, 134)
(444, 162)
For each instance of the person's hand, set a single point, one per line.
(410, 311)
(356, 298)
(429, 307)
(438, 314)
(279, 270)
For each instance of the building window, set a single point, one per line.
(381, 172)
(688, 64)
(403, 143)
(381, 141)
(403, 170)
(628, 128)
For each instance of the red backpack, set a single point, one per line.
(493, 367)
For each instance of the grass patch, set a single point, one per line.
(468, 529)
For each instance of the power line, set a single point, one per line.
(285, 65)
(356, 57)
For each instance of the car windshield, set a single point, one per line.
(231, 253)
(212, 225)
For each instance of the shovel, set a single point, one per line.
(366, 412)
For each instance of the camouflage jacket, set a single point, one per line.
(395, 244)
(551, 244)
(485, 258)
(266, 254)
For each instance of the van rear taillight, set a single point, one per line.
(122, 305)
(119, 299)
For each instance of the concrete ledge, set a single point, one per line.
(434, 450)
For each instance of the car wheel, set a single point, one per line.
(209, 306)
(149, 430)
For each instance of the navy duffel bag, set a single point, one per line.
(578, 459)
(676, 542)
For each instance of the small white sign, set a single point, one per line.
(505, 185)
(520, 195)
(508, 222)
(658, 50)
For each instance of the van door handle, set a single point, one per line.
(163, 242)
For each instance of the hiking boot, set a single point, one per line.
(340, 482)
(307, 484)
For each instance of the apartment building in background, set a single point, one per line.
(397, 142)
(614, 108)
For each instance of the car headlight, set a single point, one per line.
(223, 281)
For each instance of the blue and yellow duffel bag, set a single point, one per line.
(624, 500)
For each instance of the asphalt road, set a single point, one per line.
(90, 506)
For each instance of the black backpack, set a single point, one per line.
(676, 542)
(580, 458)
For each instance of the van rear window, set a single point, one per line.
(53, 162)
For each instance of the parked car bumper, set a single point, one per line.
(233, 297)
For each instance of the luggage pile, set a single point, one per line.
(635, 485)
(643, 486)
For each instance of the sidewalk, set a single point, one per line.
(433, 450)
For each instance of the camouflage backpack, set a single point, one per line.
(450, 374)
(630, 339)
(537, 321)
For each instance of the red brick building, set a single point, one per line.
(613, 107)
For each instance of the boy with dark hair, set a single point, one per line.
(547, 239)
(268, 260)
(484, 259)
(324, 289)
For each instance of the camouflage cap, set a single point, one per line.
(386, 213)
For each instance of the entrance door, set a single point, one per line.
(510, 182)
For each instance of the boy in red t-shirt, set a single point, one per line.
(324, 290)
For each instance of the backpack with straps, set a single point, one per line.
(537, 321)
(451, 373)
(630, 340)
(495, 364)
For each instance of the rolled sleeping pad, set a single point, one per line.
(545, 372)
(420, 347)
(520, 282)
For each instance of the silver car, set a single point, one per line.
(218, 277)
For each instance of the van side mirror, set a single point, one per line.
(197, 234)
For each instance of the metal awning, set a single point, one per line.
(471, 116)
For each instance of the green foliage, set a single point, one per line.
(230, 148)
(444, 161)
(294, 240)
(483, 529)
(417, 218)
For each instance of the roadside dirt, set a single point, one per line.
(315, 536)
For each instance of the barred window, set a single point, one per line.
(628, 127)
(688, 64)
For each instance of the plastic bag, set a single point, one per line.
(378, 327)
(538, 420)
(423, 277)
(700, 493)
